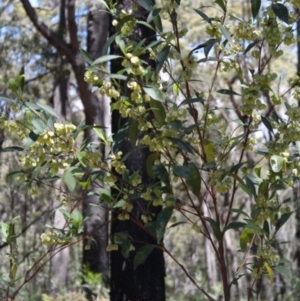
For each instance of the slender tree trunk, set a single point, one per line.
(95, 256)
(146, 282)
(61, 103)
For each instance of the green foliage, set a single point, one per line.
(204, 135)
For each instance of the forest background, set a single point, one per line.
(52, 78)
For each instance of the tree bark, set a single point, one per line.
(146, 282)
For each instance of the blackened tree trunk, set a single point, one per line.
(146, 282)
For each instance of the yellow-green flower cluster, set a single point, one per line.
(214, 31)
(247, 31)
(133, 63)
(92, 78)
(116, 162)
(108, 89)
(49, 237)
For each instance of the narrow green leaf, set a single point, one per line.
(283, 270)
(150, 163)
(267, 123)
(69, 180)
(250, 185)
(86, 56)
(146, 4)
(192, 100)
(162, 173)
(158, 111)
(251, 45)
(11, 149)
(35, 172)
(194, 179)
(119, 204)
(203, 15)
(281, 12)
(6, 98)
(266, 228)
(182, 145)
(106, 58)
(234, 225)
(133, 131)
(142, 254)
(215, 228)
(161, 57)
(107, 44)
(39, 126)
(225, 33)
(221, 4)
(255, 7)
(228, 92)
(154, 92)
(181, 171)
(162, 221)
(47, 109)
(283, 219)
(245, 237)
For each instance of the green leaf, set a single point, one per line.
(228, 92)
(35, 172)
(162, 221)
(107, 44)
(158, 111)
(69, 180)
(255, 7)
(203, 15)
(250, 185)
(153, 14)
(267, 123)
(106, 58)
(221, 4)
(47, 109)
(121, 238)
(86, 56)
(192, 100)
(150, 163)
(76, 215)
(182, 144)
(100, 133)
(281, 12)
(6, 98)
(225, 33)
(239, 211)
(181, 171)
(283, 219)
(242, 185)
(215, 228)
(14, 173)
(210, 151)
(119, 204)
(245, 237)
(154, 92)
(194, 179)
(283, 270)
(251, 45)
(162, 173)
(161, 57)
(39, 126)
(146, 4)
(250, 225)
(236, 167)
(133, 131)
(266, 228)
(276, 163)
(11, 149)
(234, 225)
(142, 254)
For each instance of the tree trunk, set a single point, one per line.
(95, 257)
(146, 282)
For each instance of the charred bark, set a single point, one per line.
(146, 282)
